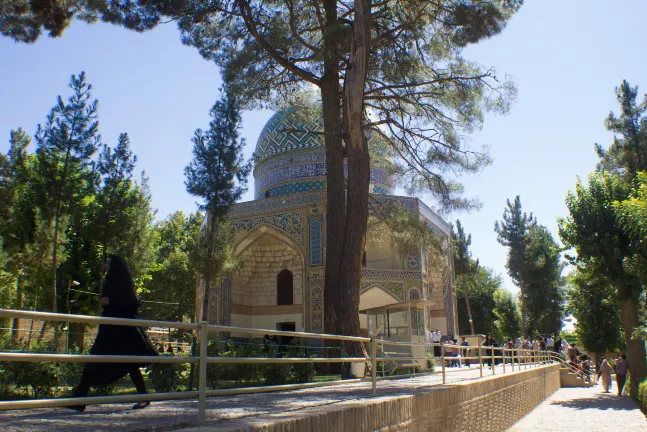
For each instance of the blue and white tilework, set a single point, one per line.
(316, 252)
(281, 134)
(396, 289)
(290, 224)
(391, 274)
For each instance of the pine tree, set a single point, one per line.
(544, 296)
(400, 60)
(66, 144)
(116, 195)
(218, 175)
(628, 152)
(513, 233)
(464, 266)
(506, 311)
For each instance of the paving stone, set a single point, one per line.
(585, 409)
(175, 415)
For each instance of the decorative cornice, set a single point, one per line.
(390, 274)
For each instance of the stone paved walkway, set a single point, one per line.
(175, 415)
(585, 409)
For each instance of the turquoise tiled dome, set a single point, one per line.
(282, 133)
(290, 158)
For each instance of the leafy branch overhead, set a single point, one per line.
(421, 95)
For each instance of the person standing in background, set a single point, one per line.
(621, 372)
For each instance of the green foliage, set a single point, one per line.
(482, 286)
(544, 292)
(172, 277)
(594, 231)
(591, 300)
(508, 319)
(39, 379)
(166, 377)
(642, 396)
(534, 264)
(218, 175)
(627, 154)
(401, 229)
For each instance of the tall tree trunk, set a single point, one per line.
(468, 304)
(523, 308)
(358, 177)
(335, 195)
(207, 269)
(15, 324)
(635, 347)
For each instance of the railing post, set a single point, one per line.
(374, 365)
(202, 381)
(480, 359)
(503, 355)
(442, 359)
(493, 359)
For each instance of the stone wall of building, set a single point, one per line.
(490, 404)
(255, 284)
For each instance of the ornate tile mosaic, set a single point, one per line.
(405, 202)
(294, 157)
(391, 274)
(380, 177)
(290, 223)
(317, 304)
(290, 172)
(213, 305)
(396, 289)
(226, 291)
(315, 222)
(282, 134)
(414, 294)
(413, 263)
(271, 205)
(295, 188)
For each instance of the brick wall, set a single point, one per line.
(490, 404)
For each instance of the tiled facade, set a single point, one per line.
(286, 231)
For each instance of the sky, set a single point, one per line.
(565, 57)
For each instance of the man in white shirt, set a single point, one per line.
(435, 338)
(550, 343)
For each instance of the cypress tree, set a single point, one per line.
(218, 175)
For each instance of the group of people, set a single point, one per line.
(605, 371)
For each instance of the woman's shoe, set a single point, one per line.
(141, 405)
(78, 408)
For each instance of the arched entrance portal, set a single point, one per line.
(268, 291)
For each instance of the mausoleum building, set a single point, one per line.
(281, 237)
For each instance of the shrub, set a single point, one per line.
(302, 372)
(276, 373)
(166, 377)
(642, 396)
(44, 379)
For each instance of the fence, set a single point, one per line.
(510, 358)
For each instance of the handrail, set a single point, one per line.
(484, 354)
(591, 376)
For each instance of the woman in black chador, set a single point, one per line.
(119, 300)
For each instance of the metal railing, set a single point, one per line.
(485, 354)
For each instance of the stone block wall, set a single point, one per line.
(255, 284)
(490, 404)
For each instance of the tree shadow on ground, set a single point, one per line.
(605, 401)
